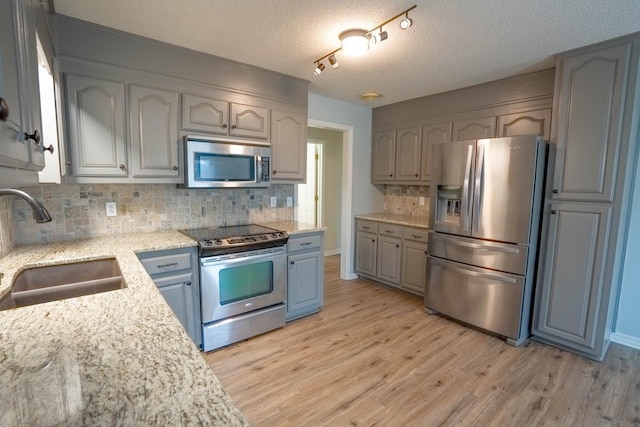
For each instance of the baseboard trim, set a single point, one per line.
(627, 340)
(332, 252)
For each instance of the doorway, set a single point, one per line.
(310, 196)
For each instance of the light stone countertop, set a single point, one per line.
(293, 227)
(409, 221)
(113, 358)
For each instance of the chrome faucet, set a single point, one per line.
(40, 213)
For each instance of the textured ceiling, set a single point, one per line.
(452, 44)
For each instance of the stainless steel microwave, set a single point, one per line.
(221, 163)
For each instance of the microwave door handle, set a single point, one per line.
(259, 169)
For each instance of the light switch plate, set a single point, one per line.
(273, 201)
(421, 201)
(111, 209)
(289, 201)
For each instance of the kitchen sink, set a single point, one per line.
(60, 281)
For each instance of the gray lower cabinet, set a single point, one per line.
(175, 273)
(392, 254)
(305, 280)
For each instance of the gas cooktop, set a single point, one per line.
(235, 238)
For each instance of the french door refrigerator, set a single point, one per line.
(486, 198)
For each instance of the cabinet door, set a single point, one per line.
(474, 129)
(305, 282)
(414, 266)
(389, 259)
(95, 114)
(408, 147)
(531, 122)
(205, 114)
(590, 99)
(177, 291)
(383, 153)
(154, 132)
(432, 134)
(572, 277)
(14, 150)
(288, 147)
(366, 250)
(249, 122)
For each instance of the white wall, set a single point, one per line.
(627, 330)
(364, 197)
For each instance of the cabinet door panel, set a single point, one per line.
(408, 147)
(288, 147)
(205, 114)
(383, 157)
(178, 297)
(366, 249)
(474, 129)
(304, 287)
(389, 259)
(154, 132)
(432, 134)
(590, 110)
(531, 122)
(95, 110)
(249, 122)
(414, 266)
(573, 273)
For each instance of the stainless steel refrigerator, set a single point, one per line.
(486, 198)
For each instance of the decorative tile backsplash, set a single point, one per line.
(78, 210)
(7, 235)
(405, 200)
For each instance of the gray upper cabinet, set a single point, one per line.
(431, 134)
(408, 149)
(575, 258)
(288, 147)
(154, 132)
(474, 129)
(590, 98)
(19, 88)
(248, 121)
(95, 130)
(383, 154)
(530, 122)
(202, 114)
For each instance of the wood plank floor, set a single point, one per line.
(372, 357)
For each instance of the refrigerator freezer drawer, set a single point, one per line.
(496, 256)
(479, 297)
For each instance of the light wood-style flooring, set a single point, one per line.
(372, 357)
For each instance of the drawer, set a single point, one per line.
(163, 264)
(304, 243)
(416, 234)
(390, 230)
(369, 226)
(172, 280)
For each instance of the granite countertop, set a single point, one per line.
(294, 227)
(409, 221)
(114, 358)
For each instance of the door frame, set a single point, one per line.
(347, 271)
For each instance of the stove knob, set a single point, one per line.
(218, 242)
(274, 235)
(281, 234)
(207, 243)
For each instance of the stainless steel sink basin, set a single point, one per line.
(55, 282)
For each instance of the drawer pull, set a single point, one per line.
(366, 228)
(416, 237)
(171, 266)
(390, 231)
(305, 244)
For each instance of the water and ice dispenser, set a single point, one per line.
(448, 204)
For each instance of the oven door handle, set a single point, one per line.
(246, 257)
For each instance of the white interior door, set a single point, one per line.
(308, 200)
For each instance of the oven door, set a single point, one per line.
(242, 282)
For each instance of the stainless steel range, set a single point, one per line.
(243, 281)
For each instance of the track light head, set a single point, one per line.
(406, 22)
(319, 68)
(333, 61)
(379, 37)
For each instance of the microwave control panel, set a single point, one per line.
(266, 169)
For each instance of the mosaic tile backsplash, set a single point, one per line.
(405, 200)
(78, 210)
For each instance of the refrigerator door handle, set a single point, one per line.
(479, 187)
(488, 276)
(480, 246)
(466, 195)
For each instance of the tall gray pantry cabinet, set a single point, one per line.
(586, 214)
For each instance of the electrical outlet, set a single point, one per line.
(274, 201)
(111, 209)
(289, 201)
(421, 201)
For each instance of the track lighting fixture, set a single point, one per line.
(357, 41)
